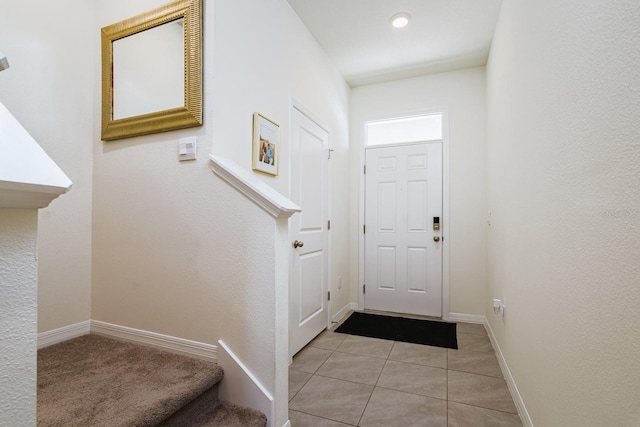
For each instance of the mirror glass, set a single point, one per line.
(152, 72)
(148, 71)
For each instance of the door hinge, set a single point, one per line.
(364, 289)
(330, 150)
(329, 225)
(364, 169)
(329, 296)
(364, 229)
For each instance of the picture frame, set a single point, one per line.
(266, 141)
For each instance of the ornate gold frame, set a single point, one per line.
(190, 114)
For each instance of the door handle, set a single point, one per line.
(436, 238)
(297, 244)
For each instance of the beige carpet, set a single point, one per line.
(97, 381)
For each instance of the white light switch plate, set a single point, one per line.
(187, 148)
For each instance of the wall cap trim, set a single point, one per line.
(274, 203)
(29, 178)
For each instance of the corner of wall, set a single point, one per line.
(511, 383)
(241, 387)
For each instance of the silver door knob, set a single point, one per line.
(436, 238)
(297, 244)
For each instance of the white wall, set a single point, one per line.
(462, 93)
(18, 316)
(563, 156)
(49, 89)
(265, 60)
(176, 250)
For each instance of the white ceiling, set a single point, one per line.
(443, 35)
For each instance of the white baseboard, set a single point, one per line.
(152, 339)
(68, 332)
(352, 306)
(513, 388)
(287, 424)
(240, 386)
(467, 318)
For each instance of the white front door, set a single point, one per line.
(308, 295)
(403, 251)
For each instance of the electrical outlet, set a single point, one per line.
(498, 307)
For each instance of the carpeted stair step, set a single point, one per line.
(98, 381)
(202, 413)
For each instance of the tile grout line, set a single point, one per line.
(484, 407)
(373, 388)
(333, 350)
(412, 393)
(305, 383)
(475, 373)
(324, 418)
(376, 383)
(447, 387)
(365, 406)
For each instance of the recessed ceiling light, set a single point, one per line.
(400, 20)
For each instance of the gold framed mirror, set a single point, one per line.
(152, 72)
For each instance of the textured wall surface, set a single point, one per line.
(18, 316)
(267, 80)
(49, 89)
(563, 179)
(463, 94)
(175, 249)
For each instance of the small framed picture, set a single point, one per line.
(265, 144)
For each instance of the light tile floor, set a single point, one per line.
(343, 380)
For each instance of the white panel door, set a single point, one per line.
(308, 296)
(403, 252)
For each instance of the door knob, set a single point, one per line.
(436, 238)
(297, 244)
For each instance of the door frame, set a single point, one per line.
(445, 201)
(296, 105)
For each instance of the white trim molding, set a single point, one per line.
(241, 387)
(352, 306)
(29, 178)
(446, 213)
(511, 383)
(263, 195)
(160, 341)
(138, 336)
(467, 318)
(65, 333)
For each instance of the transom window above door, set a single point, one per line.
(426, 127)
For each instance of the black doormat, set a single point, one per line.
(417, 331)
